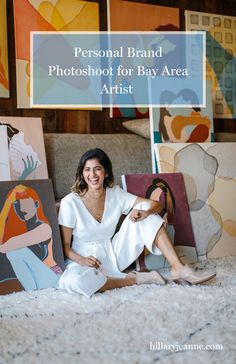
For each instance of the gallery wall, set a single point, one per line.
(79, 121)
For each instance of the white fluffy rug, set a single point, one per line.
(139, 324)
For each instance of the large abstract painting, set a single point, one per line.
(182, 125)
(46, 15)
(221, 58)
(4, 78)
(22, 149)
(31, 254)
(209, 171)
(133, 16)
(169, 189)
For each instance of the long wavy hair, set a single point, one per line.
(80, 186)
(14, 226)
(166, 197)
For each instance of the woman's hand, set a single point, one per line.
(138, 215)
(89, 261)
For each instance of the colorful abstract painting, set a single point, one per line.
(49, 15)
(133, 16)
(182, 125)
(221, 58)
(209, 171)
(4, 77)
(31, 254)
(170, 190)
(22, 149)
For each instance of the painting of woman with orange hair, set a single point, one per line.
(26, 242)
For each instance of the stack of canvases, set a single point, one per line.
(31, 254)
(197, 183)
(30, 247)
(197, 177)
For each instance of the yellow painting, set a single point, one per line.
(4, 78)
(50, 15)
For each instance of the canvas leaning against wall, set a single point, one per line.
(31, 254)
(209, 171)
(4, 76)
(50, 15)
(182, 125)
(221, 58)
(169, 189)
(22, 149)
(145, 17)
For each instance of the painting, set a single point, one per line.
(46, 15)
(22, 149)
(145, 17)
(221, 58)
(31, 254)
(209, 171)
(182, 125)
(4, 76)
(170, 190)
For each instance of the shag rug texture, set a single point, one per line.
(139, 324)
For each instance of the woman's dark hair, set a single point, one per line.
(169, 199)
(80, 185)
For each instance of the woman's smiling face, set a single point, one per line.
(94, 174)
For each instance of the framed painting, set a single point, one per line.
(145, 17)
(170, 190)
(23, 152)
(51, 15)
(221, 58)
(31, 254)
(4, 76)
(209, 171)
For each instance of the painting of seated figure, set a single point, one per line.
(31, 254)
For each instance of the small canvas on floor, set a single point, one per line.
(31, 254)
(169, 189)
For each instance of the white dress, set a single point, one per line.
(90, 237)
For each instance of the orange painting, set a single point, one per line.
(4, 80)
(50, 15)
(132, 16)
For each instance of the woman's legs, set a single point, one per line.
(134, 278)
(163, 242)
(112, 283)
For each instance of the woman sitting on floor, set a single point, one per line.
(88, 217)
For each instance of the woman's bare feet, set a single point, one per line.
(149, 278)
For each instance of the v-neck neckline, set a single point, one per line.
(90, 214)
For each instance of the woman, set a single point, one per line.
(88, 217)
(26, 240)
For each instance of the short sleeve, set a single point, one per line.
(66, 215)
(126, 199)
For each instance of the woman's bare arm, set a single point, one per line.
(90, 261)
(155, 206)
(39, 234)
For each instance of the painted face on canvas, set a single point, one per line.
(26, 208)
(94, 174)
